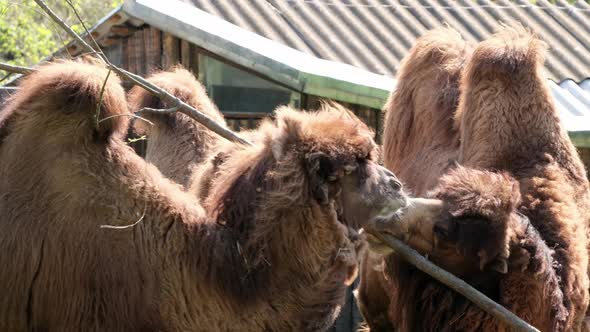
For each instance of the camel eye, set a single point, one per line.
(348, 169)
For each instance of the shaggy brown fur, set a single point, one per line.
(508, 123)
(478, 234)
(419, 139)
(208, 171)
(277, 256)
(507, 102)
(176, 144)
(418, 122)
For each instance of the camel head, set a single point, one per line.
(367, 190)
(467, 224)
(307, 175)
(326, 158)
(340, 158)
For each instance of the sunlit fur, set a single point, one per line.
(272, 258)
(419, 137)
(176, 143)
(510, 130)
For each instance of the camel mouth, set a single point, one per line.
(384, 208)
(390, 216)
(394, 208)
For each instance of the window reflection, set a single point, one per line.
(236, 91)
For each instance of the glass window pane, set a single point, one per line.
(235, 90)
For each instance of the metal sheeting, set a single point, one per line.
(573, 102)
(376, 34)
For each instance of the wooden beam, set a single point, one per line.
(153, 48)
(185, 54)
(170, 50)
(122, 30)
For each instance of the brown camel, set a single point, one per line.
(419, 113)
(418, 126)
(176, 143)
(277, 254)
(181, 148)
(517, 232)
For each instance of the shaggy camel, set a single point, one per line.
(419, 113)
(277, 255)
(176, 144)
(419, 126)
(523, 244)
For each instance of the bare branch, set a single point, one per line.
(158, 110)
(67, 28)
(99, 103)
(129, 115)
(460, 286)
(97, 47)
(15, 69)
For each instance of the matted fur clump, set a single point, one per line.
(99, 239)
(511, 218)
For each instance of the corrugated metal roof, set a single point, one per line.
(572, 99)
(376, 34)
(573, 102)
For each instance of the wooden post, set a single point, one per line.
(185, 54)
(139, 54)
(170, 50)
(153, 49)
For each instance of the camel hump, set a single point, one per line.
(438, 49)
(429, 76)
(181, 83)
(425, 98)
(77, 95)
(510, 51)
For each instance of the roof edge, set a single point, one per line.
(293, 68)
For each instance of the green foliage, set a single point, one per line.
(27, 35)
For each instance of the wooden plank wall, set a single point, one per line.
(585, 155)
(371, 116)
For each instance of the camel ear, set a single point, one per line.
(319, 167)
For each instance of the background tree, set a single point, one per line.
(27, 35)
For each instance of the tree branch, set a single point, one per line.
(460, 286)
(158, 110)
(15, 69)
